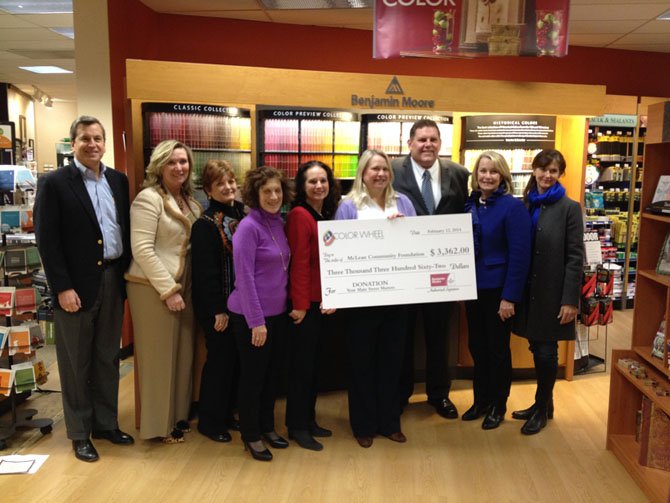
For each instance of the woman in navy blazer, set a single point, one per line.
(501, 230)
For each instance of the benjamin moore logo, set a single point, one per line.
(390, 101)
(328, 238)
(394, 87)
(439, 279)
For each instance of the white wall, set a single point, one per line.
(52, 125)
(19, 105)
(94, 91)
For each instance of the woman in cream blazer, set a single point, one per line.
(159, 291)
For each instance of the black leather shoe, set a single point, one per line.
(275, 440)
(234, 424)
(305, 440)
(525, 414)
(264, 455)
(217, 436)
(397, 436)
(493, 419)
(475, 412)
(445, 408)
(84, 450)
(317, 431)
(115, 436)
(364, 442)
(535, 423)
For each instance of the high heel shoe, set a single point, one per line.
(275, 440)
(525, 414)
(536, 422)
(264, 455)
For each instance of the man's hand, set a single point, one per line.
(69, 301)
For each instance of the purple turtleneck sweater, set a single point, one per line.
(261, 279)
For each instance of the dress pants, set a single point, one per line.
(376, 343)
(488, 341)
(87, 350)
(303, 348)
(220, 379)
(545, 357)
(260, 371)
(164, 353)
(436, 317)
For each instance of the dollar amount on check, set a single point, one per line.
(408, 260)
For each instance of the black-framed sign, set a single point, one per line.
(509, 131)
(7, 135)
(304, 113)
(195, 108)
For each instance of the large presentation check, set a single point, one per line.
(407, 260)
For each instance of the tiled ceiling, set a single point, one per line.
(29, 40)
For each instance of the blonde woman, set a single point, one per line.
(501, 230)
(376, 339)
(159, 291)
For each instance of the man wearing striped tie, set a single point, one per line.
(436, 187)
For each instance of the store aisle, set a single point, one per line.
(442, 460)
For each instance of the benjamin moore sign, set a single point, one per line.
(395, 98)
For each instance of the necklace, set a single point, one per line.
(281, 254)
(180, 203)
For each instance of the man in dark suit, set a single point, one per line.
(82, 226)
(435, 187)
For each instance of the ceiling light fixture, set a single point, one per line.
(66, 32)
(45, 69)
(36, 6)
(665, 16)
(317, 4)
(42, 97)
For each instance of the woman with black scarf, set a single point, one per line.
(213, 280)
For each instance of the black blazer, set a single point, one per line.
(69, 238)
(453, 179)
(555, 273)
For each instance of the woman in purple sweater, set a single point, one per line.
(376, 338)
(258, 305)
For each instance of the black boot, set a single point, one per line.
(475, 412)
(536, 421)
(524, 414)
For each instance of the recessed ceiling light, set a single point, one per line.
(317, 4)
(45, 69)
(66, 32)
(36, 6)
(665, 16)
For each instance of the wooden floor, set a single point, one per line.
(443, 460)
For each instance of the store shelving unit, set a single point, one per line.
(289, 137)
(212, 132)
(652, 306)
(390, 132)
(517, 138)
(618, 153)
